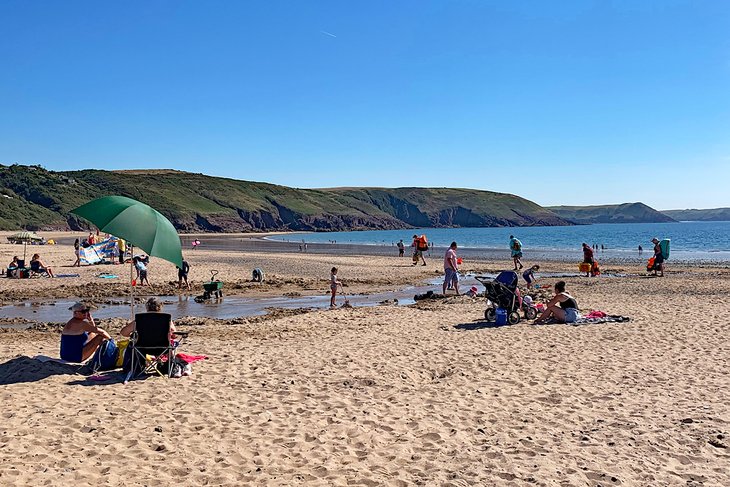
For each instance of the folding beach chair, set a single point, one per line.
(152, 337)
(37, 270)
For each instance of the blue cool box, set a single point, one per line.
(501, 316)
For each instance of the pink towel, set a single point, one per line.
(188, 358)
(596, 314)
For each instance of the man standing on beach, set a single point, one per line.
(451, 269)
(401, 248)
(516, 247)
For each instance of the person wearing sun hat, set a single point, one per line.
(658, 257)
(80, 336)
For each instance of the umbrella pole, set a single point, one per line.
(131, 280)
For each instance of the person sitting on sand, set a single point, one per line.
(334, 283)
(80, 336)
(13, 267)
(529, 275)
(153, 305)
(451, 269)
(39, 267)
(563, 308)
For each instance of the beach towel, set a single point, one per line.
(585, 320)
(189, 358)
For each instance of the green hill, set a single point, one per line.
(623, 213)
(35, 198)
(708, 215)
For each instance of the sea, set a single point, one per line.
(690, 241)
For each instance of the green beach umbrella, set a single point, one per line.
(139, 224)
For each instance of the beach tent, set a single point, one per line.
(139, 224)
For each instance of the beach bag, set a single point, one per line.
(422, 244)
(664, 246)
(584, 267)
(105, 357)
(595, 270)
(122, 347)
(650, 264)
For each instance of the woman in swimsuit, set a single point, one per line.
(563, 308)
(81, 337)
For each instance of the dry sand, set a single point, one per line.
(419, 395)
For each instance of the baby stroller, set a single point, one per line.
(502, 292)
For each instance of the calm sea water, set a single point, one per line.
(690, 240)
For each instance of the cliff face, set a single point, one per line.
(34, 198)
(624, 213)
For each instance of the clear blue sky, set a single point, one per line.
(563, 102)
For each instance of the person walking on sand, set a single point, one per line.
(516, 247)
(658, 258)
(587, 256)
(334, 283)
(77, 251)
(451, 269)
(401, 248)
(182, 275)
(418, 250)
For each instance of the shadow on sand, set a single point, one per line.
(478, 325)
(25, 369)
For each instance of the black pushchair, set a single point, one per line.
(502, 292)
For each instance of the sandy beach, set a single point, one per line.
(426, 394)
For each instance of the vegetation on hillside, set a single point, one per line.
(623, 213)
(36, 198)
(708, 215)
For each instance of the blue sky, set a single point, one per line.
(560, 102)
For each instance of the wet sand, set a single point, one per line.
(427, 394)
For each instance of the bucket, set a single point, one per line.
(501, 316)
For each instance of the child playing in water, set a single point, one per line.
(333, 286)
(529, 275)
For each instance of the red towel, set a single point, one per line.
(188, 358)
(596, 314)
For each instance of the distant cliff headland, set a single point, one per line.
(34, 198)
